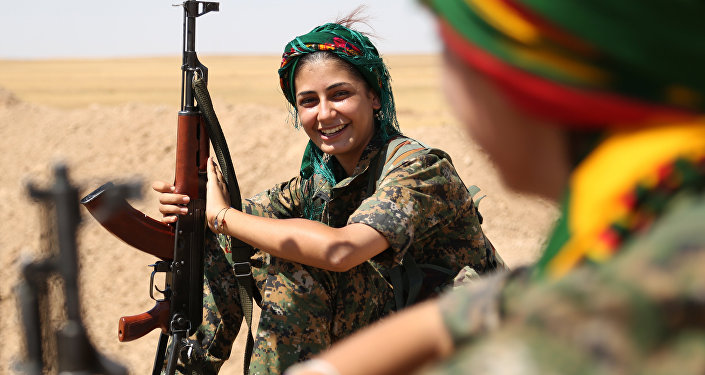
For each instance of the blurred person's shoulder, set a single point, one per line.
(642, 310)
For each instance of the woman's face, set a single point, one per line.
(529, 153)
(336, 109)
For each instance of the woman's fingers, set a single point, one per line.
(170, 198)
(171, 204)
(214, 173)
(219, 173)
(171, 211)
(216, 177)
(216, 194)
(170, 219)
(163, 187)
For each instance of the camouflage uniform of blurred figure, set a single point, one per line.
(642, 313)
(421, 206)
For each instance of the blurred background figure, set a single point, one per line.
(598, 105)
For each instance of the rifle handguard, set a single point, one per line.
(135, 326)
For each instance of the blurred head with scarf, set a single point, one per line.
(599, 103)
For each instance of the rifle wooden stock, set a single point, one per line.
(129, 224)
(135, 326)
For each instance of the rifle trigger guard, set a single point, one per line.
(160, 266)
(152, 287)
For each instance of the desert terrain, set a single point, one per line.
(115, 120)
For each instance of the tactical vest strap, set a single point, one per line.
(407, 278)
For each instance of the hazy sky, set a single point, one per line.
(34, 29)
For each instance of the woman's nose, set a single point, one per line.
(326, 111)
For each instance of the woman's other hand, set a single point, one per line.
(170, 203)
(217, 197)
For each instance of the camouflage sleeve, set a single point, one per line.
(413, 201)
(281, 202)
(473, 308)
(642, 312)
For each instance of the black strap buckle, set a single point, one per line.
(242, 269)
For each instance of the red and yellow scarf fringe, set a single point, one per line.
(604, 187)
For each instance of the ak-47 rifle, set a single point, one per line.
(180, 247)
(73, 353)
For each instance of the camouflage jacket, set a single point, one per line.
(420, 205)
(643, 312)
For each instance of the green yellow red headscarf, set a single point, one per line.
(596, 63)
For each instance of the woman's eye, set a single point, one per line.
(306, 101)
(341, 94)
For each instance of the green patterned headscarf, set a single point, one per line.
(357, 50)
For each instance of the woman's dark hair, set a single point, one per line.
(356, 17)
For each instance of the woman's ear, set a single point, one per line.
(376, 104)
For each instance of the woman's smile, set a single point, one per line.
(328, 133)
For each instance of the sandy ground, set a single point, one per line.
(114, 120)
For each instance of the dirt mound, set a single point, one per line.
(7, 98)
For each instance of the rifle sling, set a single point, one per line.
(410, 281)
(241, 252)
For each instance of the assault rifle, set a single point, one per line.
(70, 351)
(180, 247)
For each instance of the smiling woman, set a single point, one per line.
(335, 108)
(373, 222)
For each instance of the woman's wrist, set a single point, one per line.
(219, 224)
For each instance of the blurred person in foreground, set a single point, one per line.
(599, 105)
(370, 213)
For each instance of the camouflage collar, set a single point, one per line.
(368, 156)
